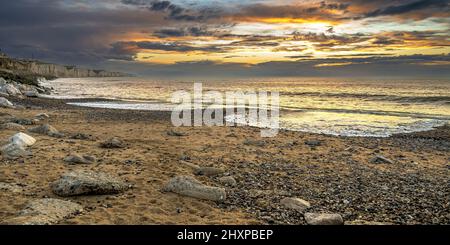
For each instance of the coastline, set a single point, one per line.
(335, 174)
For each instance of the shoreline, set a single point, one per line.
(335, 174)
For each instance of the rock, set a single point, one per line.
(295, 204)
(22, 139)
(79, 159)
(12, 151)
(45, 211)
(10, 187)
(188, 186)
(209, 171)
(31, 93)
(23, 121)
(10, 90)
(42, 116)
(313, 143)
(46, 129)
(228, 181)
(323, 219)
(174, 133)
(113, 143)
(79, 182)
(191, 165)
(5, 103)
(3, 94)
(81, 136)
(12, 126)
(259, 143)
(378, 159)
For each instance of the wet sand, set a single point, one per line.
(334, 174)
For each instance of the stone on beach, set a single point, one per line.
(42, 116)
(323, 219)
(81, 136)
(45, 211)
(228, 181)
(46, 129)
(295, 204)
(5, 103)
(23, 121)
(378, 159)
(31, 94)
(12, 151)
(175, 133)
(12, 126)
(79, 159)
(209, 171)
(22, 139)
(188, 186)
(80, 182)
(10, 90)
(112, 143)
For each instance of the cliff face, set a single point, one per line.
(50, 70)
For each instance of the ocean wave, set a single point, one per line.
(292, 109)
(383, 97)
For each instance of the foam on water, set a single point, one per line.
(345, 107)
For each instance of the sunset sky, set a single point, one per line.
(254, 37)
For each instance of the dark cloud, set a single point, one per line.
(50, 31)
(184, 32)
(163, 46)
(409, 7)
(174, 11)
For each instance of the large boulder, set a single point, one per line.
(188, 186)
(12, 126)
(295, 204)
(45, 211)
(80, 182)
(112, 143)
(79, 159)
(12, 151)
(323, 219)
(23, 121)
(10, 90)
(4, 103)
(22, 139)
(46, 129)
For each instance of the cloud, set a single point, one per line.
(409, 7)
(412, 66)
(175, 12)
(192, 31)
(135, 47)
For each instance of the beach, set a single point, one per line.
(401, 179)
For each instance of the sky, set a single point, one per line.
(219, 38)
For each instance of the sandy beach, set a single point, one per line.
(334, 174)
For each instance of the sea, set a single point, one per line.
(352, 107)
